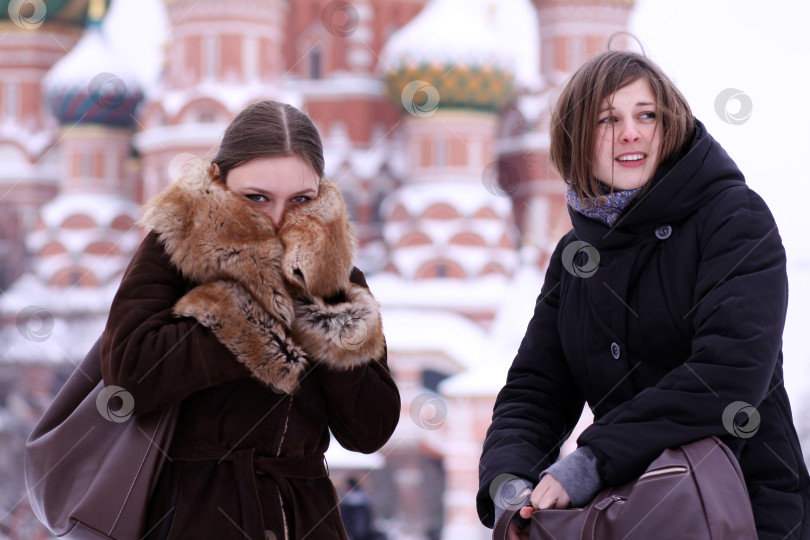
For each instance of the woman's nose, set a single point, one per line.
(629, 132)
(276, 213)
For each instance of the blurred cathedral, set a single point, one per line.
(440, 150)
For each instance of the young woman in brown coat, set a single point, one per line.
(243, 308)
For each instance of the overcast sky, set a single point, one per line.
(761, 49)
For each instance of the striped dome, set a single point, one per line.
(91, 86)
(452, 46)
(31, 14)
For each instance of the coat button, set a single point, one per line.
(663, 232)
(615, 350)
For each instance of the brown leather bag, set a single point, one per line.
(89, 472)
(695, 492)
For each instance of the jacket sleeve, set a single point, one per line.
(738, 315)
(363, 403)
(159, 359)
(537, 409)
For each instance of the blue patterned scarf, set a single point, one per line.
(606, 207)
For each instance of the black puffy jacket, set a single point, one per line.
(680, 323)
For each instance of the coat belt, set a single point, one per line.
(246, 465)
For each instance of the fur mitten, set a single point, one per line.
(343, 331)
(319, 243)
(259, 340)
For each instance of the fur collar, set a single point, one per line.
(279, 299)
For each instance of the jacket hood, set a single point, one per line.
(677, 189)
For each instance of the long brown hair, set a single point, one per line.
(269, 129)
(575, 118)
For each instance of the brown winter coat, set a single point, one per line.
(268, 340)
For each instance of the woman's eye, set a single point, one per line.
(255, 197)
(648, 115)
(608, 120)
(301, 198)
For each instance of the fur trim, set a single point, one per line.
(343, 334)
(210, 233)
(250, 273)
(240, 323)
(318, 243)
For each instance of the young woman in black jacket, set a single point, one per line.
(662, 309)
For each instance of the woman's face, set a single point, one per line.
(274, 184)
(627, 138)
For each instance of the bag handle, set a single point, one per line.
(502, 525)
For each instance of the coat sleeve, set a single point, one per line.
(738, 315)
(363, 403)
(156, 357)
(539, 406)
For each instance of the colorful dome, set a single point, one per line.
(452, 46)
(90, 85)
(30, 14)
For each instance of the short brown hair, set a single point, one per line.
(269, 129)
(574, 119)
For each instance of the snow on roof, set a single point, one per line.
(65, 341)
(441, 231)
(180, 136)
(102, 267)
(466, 198)
(448, 32)
(34, 142)
(338, 457)
(518, 302)
(485, 380)
(139, 30)
(103, 208)
(339, 151)
(507, 332)
(30, 291)
(233, 95)
(414, 330)
(482, 294)
(473, 259)
(52, 325)
(90, 57)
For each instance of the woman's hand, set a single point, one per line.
(549, 493)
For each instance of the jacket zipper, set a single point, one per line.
(665, 470)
